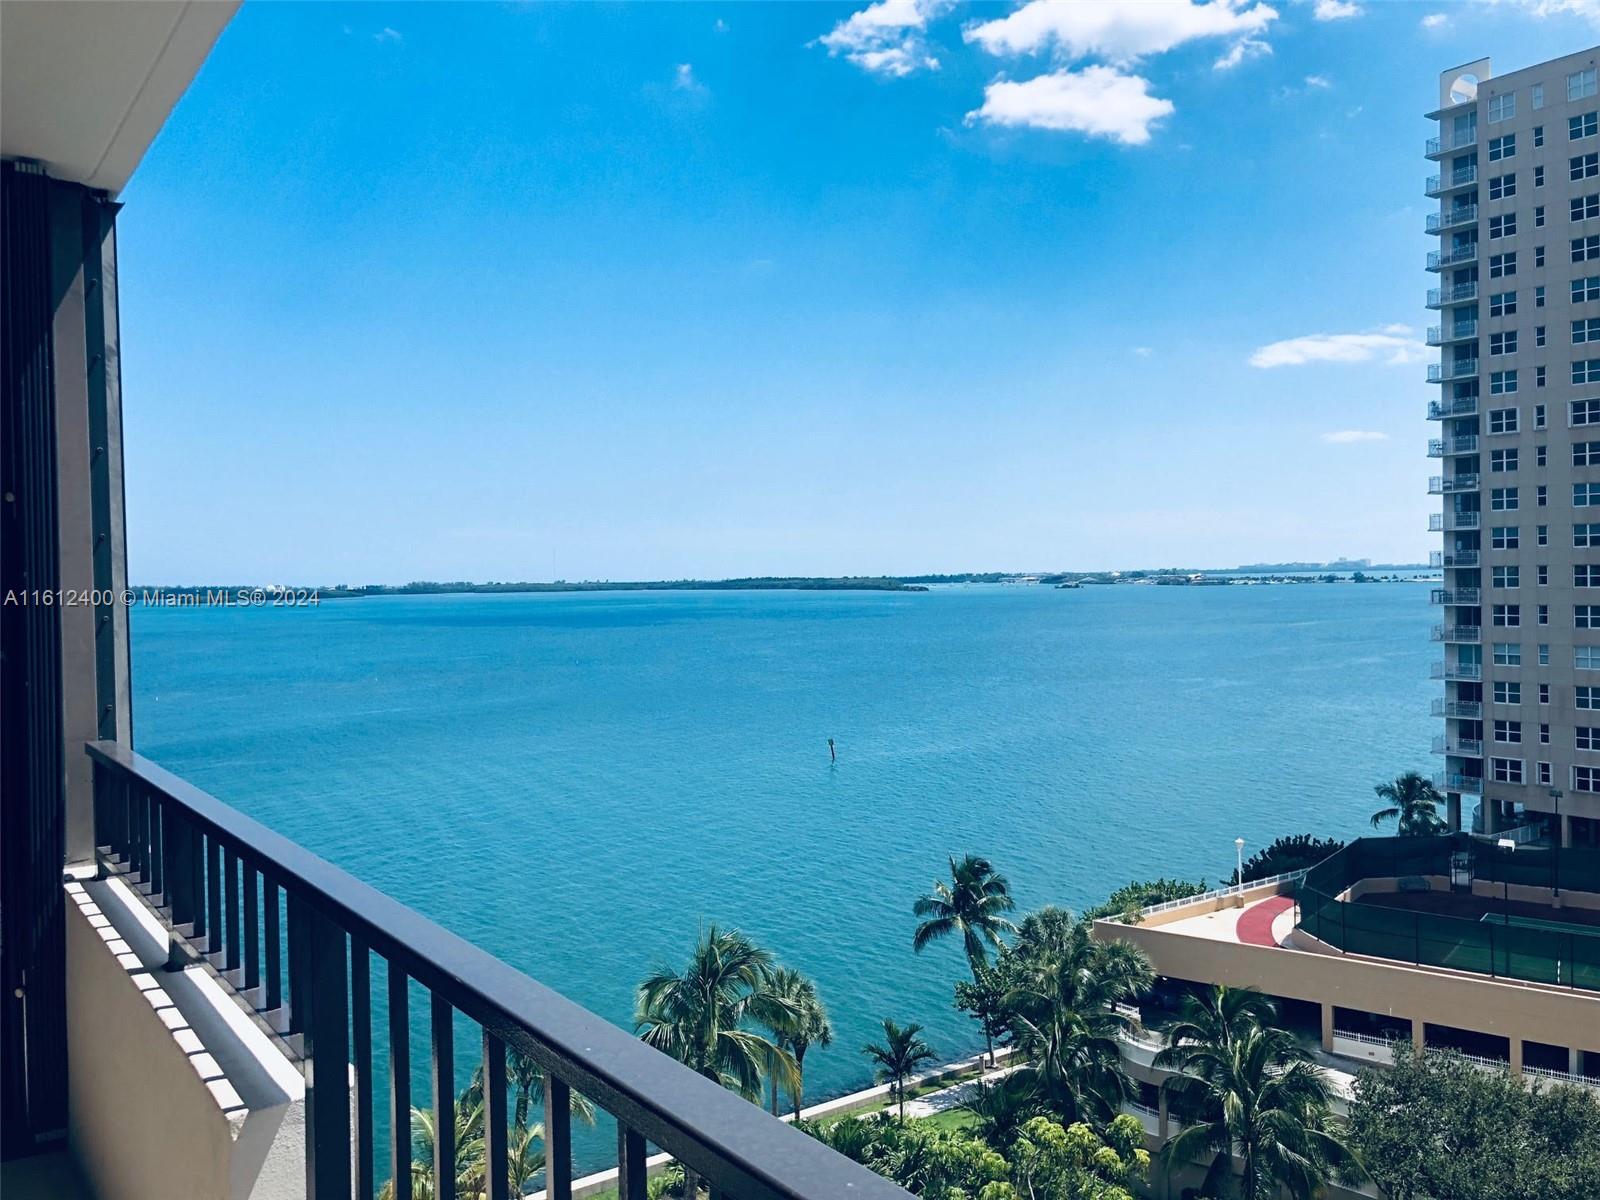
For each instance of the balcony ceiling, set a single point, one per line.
(85, 87)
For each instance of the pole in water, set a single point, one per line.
(833, 755)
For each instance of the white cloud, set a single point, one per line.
(1318, 81)
(886, 38)
(1121, 32)
(1143, 351)
(1344, 437)
(1587, 9)
(683, 79)
(1240, 52)
(1390, 344)
(1435, 21)
(388, 35)
(1335, 10)
(721, 26)
(1098, 101)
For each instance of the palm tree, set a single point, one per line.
(971, 904)
(797, 1031)
(1248, 1091)
(898, 1058)
(469, 1164)
(1066, 1014)
(526, 1079)
(1000, 1109)
(699, 1017)
(1412, 799)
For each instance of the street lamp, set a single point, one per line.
(1238, 852)
(1505, 884)
(1555, 887)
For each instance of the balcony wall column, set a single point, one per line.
(1327, 1028)
(1516, 1056)
(1419, 1036)
(1452, 805)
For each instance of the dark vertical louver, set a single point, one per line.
(32, 817)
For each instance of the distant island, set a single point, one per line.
(1341, 570)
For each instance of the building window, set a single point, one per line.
(1586, 658)
(1585, 289)
(1504, 304)
(1586, 454)
(1502, 147)
(1586, 575)
(1538, 377)
(1586, 737)
(1541, 495)
(1503, 343)
(1502, 420)
(1538, 216)
(1586, 495)
(1586, 779)
(1505, 577)
(1509, 692)
(1584, 125)
(1585, 412)
(1542, 534)
(1544, 693)
(1583, 166)
(1581, 84)
(1538, 136)
(1503, 226)
(1586, 370)
(1536, 96)
(1509, 732)
(1544, 614)
(1586, 535)
(1508, 654)
(1502, 108)
(1506, 770)
(1503, 460)
(1503, 499)
(1586, 329)
(1586, 616)
(1538, 256)
(1544, 772)
(1544, 574)
(1538, 420)
(1544, 661)
(1503, 537)
(1502, 266)
(1584, 208)
(1509, 616)
(1538, 177)
(1503, 187)
(1585, 249)
(1540, 455)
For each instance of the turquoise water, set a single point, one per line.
(579, 782)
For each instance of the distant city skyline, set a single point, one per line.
(700, 291)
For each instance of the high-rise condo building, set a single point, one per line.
(1518, 297)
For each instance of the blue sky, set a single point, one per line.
(498, 291)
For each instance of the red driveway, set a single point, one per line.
(1255, 922)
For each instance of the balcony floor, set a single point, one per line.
(43, 1177)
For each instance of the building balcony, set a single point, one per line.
(325, 973)
(1463, 634)
(1462, 710)
(1444, 485)
(1457, 256)
(1438, 185)
(1447, 143)
(1456, 560)
(1465, 443)
(1466, 747)
(1460, 368)
(1452, 218)
(1454, 596)
(1440, 522)
(1453, 781)
(1456, 406)
(1461, 331)
(1456, 672)
(1460, 293)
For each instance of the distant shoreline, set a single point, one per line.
(232, 594)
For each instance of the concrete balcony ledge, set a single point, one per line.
(175, 1091)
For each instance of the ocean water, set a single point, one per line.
(581, 782)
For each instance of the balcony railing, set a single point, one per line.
(1466, 443)
(1460, 368)
(1443, 335)
(1457, 406)
(1460, 293)
(1455, 560)
(1466, 747)
(1464, 634)
(1438, 185)
(1454, 596)
(1438, 522)
(1444, 485)
(1438, 260)
(1447, 142)
(1464, 710)
(216, 878)
(1450, 781)
(1449, 218)
(1457, 672)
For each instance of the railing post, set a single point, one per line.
(630, 1163)
(557, 1139)
(327, 1052)
(498, 1181)
(361, 1056)
(399, 1082)
(444, 1099)
(274, 947)
(180, 869)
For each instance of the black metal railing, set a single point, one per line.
(220, 878)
